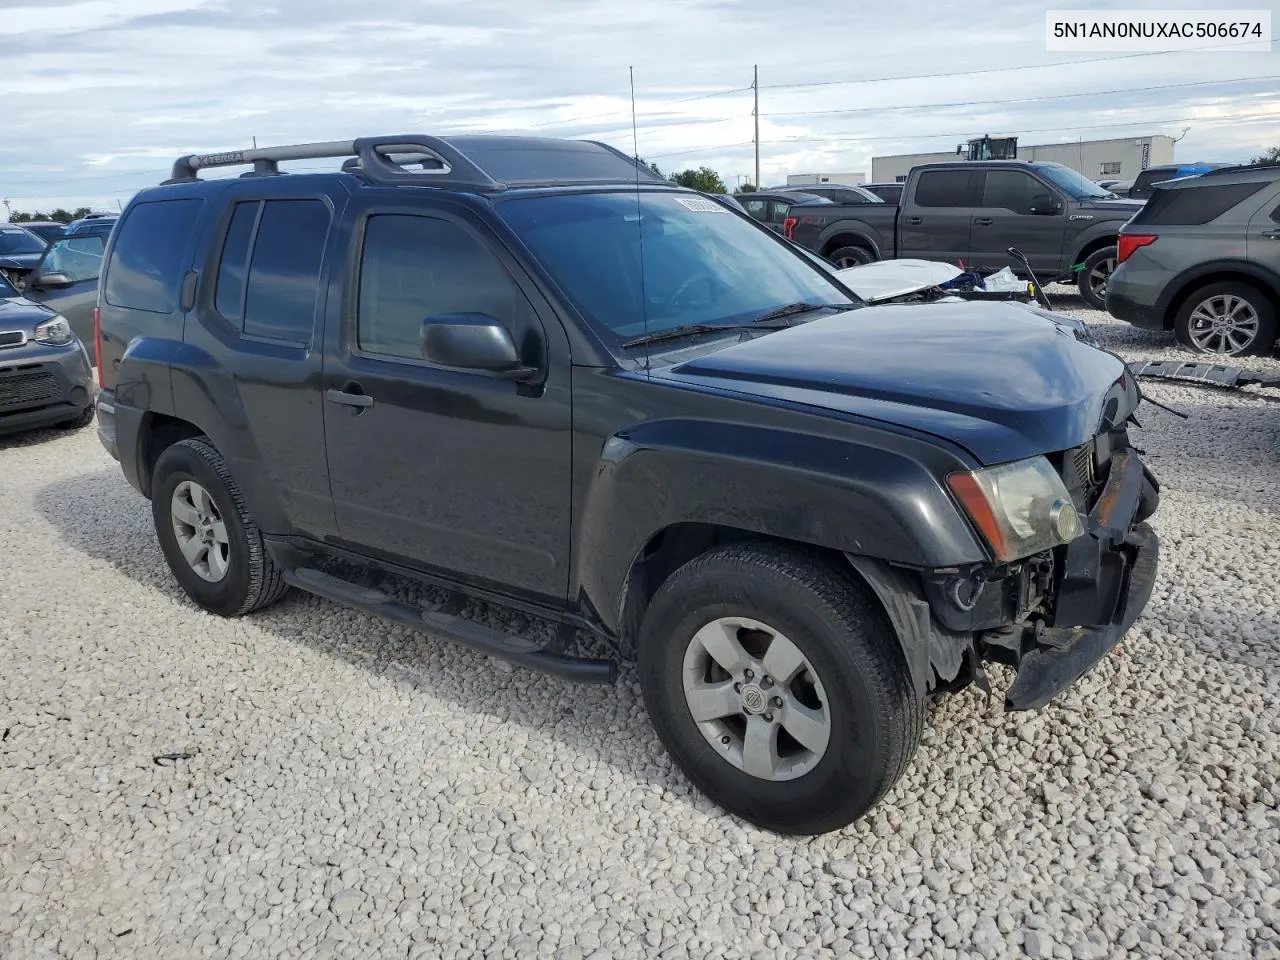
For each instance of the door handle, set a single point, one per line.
(982, 221)
(915, 220)
(349, 399)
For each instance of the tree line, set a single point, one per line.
(59, 215)
(703, 178)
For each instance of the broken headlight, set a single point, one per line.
(1020, 508)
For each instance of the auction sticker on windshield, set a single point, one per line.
(699, 205)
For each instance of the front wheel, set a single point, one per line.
(776, 683)
(852, 256)
(1098, 267)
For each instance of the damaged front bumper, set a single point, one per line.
(1051, 617)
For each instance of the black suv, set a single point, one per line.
(536, 373)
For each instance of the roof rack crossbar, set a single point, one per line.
(377, 159)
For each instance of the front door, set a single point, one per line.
(457, 472)
(1018, 210)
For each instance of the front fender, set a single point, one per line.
(875, 496)
(1106, 230)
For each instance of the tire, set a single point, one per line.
(1252, 334)
(1098, 267)
(851, 256)
(250, 579)
(841, 632)
(83, 420)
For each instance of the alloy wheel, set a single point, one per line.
(756, 698)
(200, 531)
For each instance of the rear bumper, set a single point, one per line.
(39, 390)
(1130, 311)
(107, 425)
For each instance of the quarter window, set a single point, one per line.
(147, 258)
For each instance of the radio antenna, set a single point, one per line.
(635, 146)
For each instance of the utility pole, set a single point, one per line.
(755, 86)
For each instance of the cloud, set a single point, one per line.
(103, 94)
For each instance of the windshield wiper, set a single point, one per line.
(693, 329)
(803, 307)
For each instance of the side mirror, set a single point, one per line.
(51, 281)
(473, 341)
(1044, 204)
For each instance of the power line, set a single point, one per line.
(938, 136)
(1028, 66)
(1035, 99)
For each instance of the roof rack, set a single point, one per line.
(434, 161)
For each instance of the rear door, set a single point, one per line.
(66, 280)
(1263, 242)
(253, 354)
(936, 222)
(1017, 210)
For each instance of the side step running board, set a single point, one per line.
(466, 632)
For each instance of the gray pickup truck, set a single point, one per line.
(973, 211)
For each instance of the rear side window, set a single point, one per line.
(146, 261)
(944, 188)
(234, 264)
(269, 272)
(1193, 205)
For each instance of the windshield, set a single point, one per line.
(16, 240)
(701, 264)
(1075, 185)
(7, 292)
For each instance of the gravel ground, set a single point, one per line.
(347, 789)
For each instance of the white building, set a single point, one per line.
(1117, 159)
(849, 179)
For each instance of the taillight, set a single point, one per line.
(1130, 242)
(97, 345)
(789, 226)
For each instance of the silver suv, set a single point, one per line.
(1202, 258)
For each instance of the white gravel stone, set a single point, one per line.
(356, 790)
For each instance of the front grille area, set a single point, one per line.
(28, 390)
(1081, 475)
(12, 338)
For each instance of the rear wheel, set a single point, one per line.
(1098, 267)
(1230, 319)
(210, 541)
(851, 256)
(777, 684)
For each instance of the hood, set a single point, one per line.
(19, 314)
(886, 279)
(20, 261)
(1114, 209)
(999, 380)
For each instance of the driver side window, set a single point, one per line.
(414, 267)
(1011, 190)
(77, 258)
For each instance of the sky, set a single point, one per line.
(102, 95)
